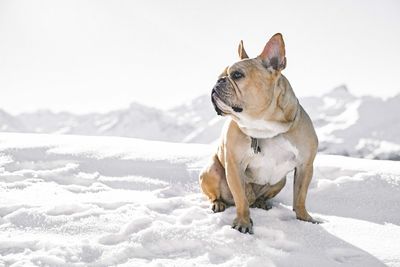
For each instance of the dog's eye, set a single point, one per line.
(237, 75)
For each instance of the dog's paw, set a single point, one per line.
(303, 215)
(218, 206)
(261, 203)
(243, 226)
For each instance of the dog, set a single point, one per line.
(267, 135)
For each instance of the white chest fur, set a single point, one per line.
(277, 157)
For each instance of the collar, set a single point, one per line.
(254, 145)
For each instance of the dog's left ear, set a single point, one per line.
(241, 51)
(273, 54)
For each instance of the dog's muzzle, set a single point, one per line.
(219, 91)
(216, 93)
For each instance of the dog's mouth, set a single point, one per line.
(221, 107)
(214, 97)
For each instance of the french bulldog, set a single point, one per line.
(267, 135)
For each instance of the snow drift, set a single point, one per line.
(102, 201)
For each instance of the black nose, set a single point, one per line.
(221, 80)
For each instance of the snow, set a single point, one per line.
(70, 200)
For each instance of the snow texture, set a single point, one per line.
(109, 201)
(346, 125)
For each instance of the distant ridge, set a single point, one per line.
(346, 124)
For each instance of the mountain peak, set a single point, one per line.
(340, 92)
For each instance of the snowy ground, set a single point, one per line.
(102, 201)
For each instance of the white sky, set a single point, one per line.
(82, 56)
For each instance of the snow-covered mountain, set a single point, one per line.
(359, 126)
(8, 123)
(112, 201)
(135, 121)
(347, 125)
(176, 125)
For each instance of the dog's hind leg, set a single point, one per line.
(265, 193)
(213, 184)
(275, 189)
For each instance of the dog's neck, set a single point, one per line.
(262, 128)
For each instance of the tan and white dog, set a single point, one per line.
(267, 135)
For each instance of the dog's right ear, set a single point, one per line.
(241, 51)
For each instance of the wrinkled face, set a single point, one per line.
(245, 88)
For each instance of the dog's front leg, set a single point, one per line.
(302, 178)
(242, 222)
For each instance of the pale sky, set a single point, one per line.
(84, 56)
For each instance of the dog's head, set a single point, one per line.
(246, 88)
